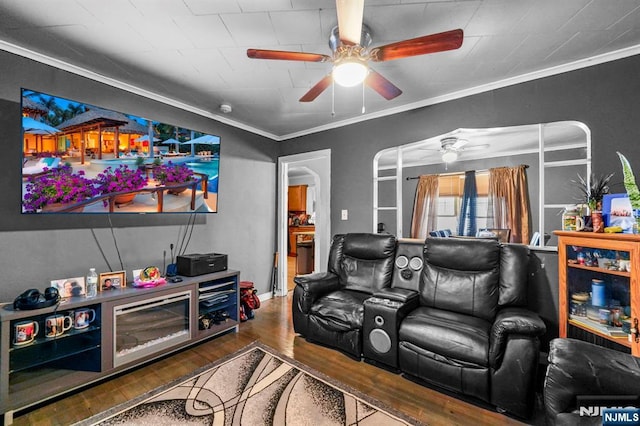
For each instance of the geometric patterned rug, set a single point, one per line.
(254, 386)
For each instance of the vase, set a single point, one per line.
(57, 207)
(124, 198)
(596, 221)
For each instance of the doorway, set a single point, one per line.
(316, 166)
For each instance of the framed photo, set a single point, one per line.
(617, 211)
(70, 287)
(111, 280)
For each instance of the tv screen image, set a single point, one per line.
(80, 158)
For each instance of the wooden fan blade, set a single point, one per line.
(350, 20)
(381, 85)
(440, 42)
(315, 91)
(287, 56)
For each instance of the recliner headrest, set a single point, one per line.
(369, 246)
(462, 254)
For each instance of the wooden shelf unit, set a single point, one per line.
(575, 277)
(49, 367)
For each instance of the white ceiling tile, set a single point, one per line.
(161, 8)
(599, 15)
(297, 27)
(161, 33)
(497, 18)
(205, 31)
(494, 47)
(538, 19)
(264, 5)
(109, 11)
(251, 29)
(208, 7)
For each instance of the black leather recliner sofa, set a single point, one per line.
(453, 315)
(328, 306)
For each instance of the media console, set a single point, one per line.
(122, 329)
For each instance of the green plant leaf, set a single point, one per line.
(630, 182)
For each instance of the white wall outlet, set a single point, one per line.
(345, 215)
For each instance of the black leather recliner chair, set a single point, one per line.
(578, 368)
(471, 332)
(328, 306)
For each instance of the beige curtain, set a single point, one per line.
(509, 202)
(425, 207)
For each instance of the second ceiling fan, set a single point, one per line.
(351, 54)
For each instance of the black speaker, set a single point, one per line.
(380, 331)
(33, 299)
(408, 265)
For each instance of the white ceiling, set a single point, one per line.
(192, 53)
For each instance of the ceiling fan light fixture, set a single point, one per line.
(350, 73)
(449, 156)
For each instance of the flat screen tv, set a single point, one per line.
(80, 158)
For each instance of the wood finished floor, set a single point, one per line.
(272, 326)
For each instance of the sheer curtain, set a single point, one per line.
(467, 220)
(425, 207)
(509, 202)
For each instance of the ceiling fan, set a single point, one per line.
(451, 146)
(350, 42)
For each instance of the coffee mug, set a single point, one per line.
(25, 332)
(56, 325)
(83, 317)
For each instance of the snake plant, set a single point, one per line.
(630, 182)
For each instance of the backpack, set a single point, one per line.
(249, 300)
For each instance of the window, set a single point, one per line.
(451, 188)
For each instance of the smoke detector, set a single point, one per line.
(225, 108)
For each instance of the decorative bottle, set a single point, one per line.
(92, 283)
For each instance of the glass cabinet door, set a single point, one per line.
(598, 290)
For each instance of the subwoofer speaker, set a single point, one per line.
(380, 332)
(380, 341)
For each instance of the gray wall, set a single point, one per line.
(36, 249)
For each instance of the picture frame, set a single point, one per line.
(112, 280)
(70, 287)
(617, 211)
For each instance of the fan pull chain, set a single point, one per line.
(333, 98)
(363, 109)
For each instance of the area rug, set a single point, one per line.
(254, 386)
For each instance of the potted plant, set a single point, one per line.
(120, 179)
(173, 174)
(592, 193)
(52, 191)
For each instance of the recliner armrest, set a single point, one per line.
(510, 321)
(397, 294)
(582, 368)
(314, 286)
